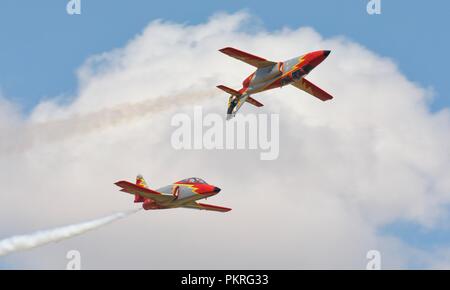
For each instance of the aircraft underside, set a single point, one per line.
(270, 75)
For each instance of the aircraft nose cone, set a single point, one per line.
(216, 189)
(326, 52)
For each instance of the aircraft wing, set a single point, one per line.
(247, 57)
(312, 89)
(197, 205)
(142, 191)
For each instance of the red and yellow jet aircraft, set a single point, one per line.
(270, 75)
(184, 193)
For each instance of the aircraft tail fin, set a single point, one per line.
(140, 181)
(229, 90)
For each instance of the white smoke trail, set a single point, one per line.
(30, 134)
(40, 238)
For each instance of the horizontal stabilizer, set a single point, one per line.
(142, 191)
(229, 90)
(253, 102)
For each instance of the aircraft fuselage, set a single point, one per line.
(282, 73)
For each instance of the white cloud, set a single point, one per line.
(372, 156)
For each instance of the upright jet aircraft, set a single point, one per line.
(270, 75)
(183, 193)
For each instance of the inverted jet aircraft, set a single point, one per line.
(184, 193)
(270, 75)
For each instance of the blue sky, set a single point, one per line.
(42, 46)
